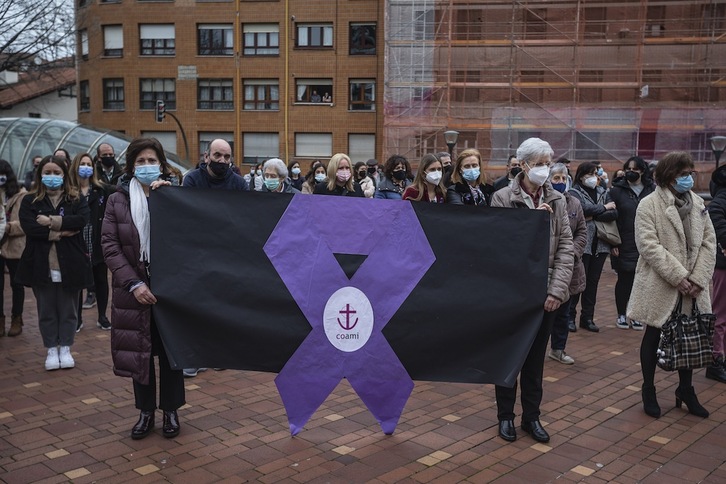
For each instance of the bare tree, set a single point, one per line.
(35, 29)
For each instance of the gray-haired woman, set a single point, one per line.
(275, 173)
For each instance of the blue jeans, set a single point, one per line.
(559, 327)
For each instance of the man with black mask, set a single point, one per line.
(107, 168)
(513, 169)
(216, 170)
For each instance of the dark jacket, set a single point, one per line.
(717, 212)
(386, 189)
(627, 202)
(297, 184)
(202, 179)
(322, 189)
(73, 258)
(501, 182)
(97, 205)
(130, 320)
(460, 194)
(594, 209)
(112, 180)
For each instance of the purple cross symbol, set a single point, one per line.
(302, 248)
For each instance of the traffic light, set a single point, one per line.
(160, 110)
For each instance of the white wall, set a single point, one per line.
(49, 106)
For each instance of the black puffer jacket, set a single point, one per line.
(717, 211)
(627, 202)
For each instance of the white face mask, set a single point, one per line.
(433, 177)
(590, 181)
(539, 174)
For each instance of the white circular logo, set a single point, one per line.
(348, 319)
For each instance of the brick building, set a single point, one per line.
(288, 78)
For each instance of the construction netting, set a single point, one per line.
(598, 80)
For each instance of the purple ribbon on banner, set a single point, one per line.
(347, 315)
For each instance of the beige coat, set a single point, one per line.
(13, 243)
(664, 260)
(561, 255)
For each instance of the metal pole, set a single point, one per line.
(184, 136)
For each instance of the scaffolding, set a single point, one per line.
(599, 80)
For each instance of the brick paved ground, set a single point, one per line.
(73, 425)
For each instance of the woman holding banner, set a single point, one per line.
(340, 178)
(469, 184)
(427, 185)
(134, 336)
(531, 190)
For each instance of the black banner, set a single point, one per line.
(221, 302)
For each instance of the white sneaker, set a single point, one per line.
(66, 360)
(52, 362)
(637, 325)
(622, 322)
(561, 356)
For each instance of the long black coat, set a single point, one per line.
(627, 202)
(717, 211)
(97, 206)
(73, 258)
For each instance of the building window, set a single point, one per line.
(113, 41)
(113, 94)
(423, 24)
(361, 146)
(153, 89)
(314, 91)
(157, 39)
(314, 35)
(261, 94)
(535, 24)
(206, 138)
(259, 147)
(261, 39)
(314, 145)
(85, 96)
(215, 94)
(362, 95)
(215, 39)
(83, 34)
(363, 39)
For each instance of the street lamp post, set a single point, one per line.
(718, 144)
(451, 138)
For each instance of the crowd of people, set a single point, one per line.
(74, 219)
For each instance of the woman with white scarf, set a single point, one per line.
(134, 337)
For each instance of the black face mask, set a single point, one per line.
(362, 174)
(219, 169)
(108, 161)
(372, 171)
(632, 176)
(514, 171)
(448, 169)
(399, 175)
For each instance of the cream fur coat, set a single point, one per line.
(664, 260)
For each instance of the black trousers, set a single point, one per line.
(622, 291)
(100, 288)
(649, 357)
(171, 382)
(593, 270)
(530, 378)
(560, 331)
(18, 289)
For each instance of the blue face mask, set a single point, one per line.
(272, 183)
(600, 172)
(319, 177)
(52, 182)
(683, 184)
(85, 171)
(470, 174)
(146, 174)
(560, 187)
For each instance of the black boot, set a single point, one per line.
(717, 371)
(688, 396)
(650, 402)
(144, 426)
